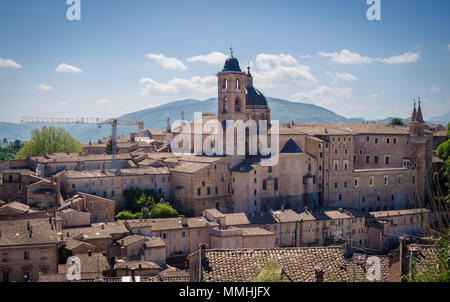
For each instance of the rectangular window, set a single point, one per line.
(199, 191)
(264, 185)
(26, 255)
(406, 163)
(44, 254)
(217, 190)
(367, 159)
(375, 159)
(208, 190)
(276, 184)
(387, 159)
(386, 180)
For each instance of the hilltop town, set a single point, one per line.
(338, 195)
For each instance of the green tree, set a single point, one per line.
(434, 269)
(108, 149)
(124, 215)
(9, 151)
(396, 121)
(163, 210)
(443, 152)
(49, 140)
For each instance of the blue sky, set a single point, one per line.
(124, 56)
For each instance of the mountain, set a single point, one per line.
(156, 118)
(442, 119)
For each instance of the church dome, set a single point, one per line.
(231, 64)
(254, 97)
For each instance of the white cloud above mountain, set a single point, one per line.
(166, 62)
(214, 58)
(44, 87)
(63, 67)
(344, 76)
(345, 56)
(280, 70)
(6, 63)
(324, 95)
(184, 86)
(268, 61)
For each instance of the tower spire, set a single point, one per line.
(419, 117)
(414, 114)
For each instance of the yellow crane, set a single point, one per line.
(88, 121)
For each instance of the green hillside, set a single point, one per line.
(155, 118)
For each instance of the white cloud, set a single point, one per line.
(103, 102)
(280, 70)
(284, 75)
(435, 88)
(214, 58)
(407, 57)
(168, 63)
(345, 76)
(195, 85)
(268, 61)
(448, 47)
(45, 87)
(373, 95)
(348, 57)
(9, 64)
(63, 67)
(324, 95)
(307, 56)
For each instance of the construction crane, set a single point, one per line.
(89, 121)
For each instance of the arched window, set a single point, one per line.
(261, 117)
(238, 85)
(236, 105)
(225, 84)
(225, 105)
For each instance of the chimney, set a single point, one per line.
(319, 274)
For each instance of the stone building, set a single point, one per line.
(108, 184)
(28, 246)
(385, 227)
(237, 238)
(182, 236)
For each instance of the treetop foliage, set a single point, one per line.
(49, 140)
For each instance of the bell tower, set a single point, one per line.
(231, 90)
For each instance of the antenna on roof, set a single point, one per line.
(231, 49)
